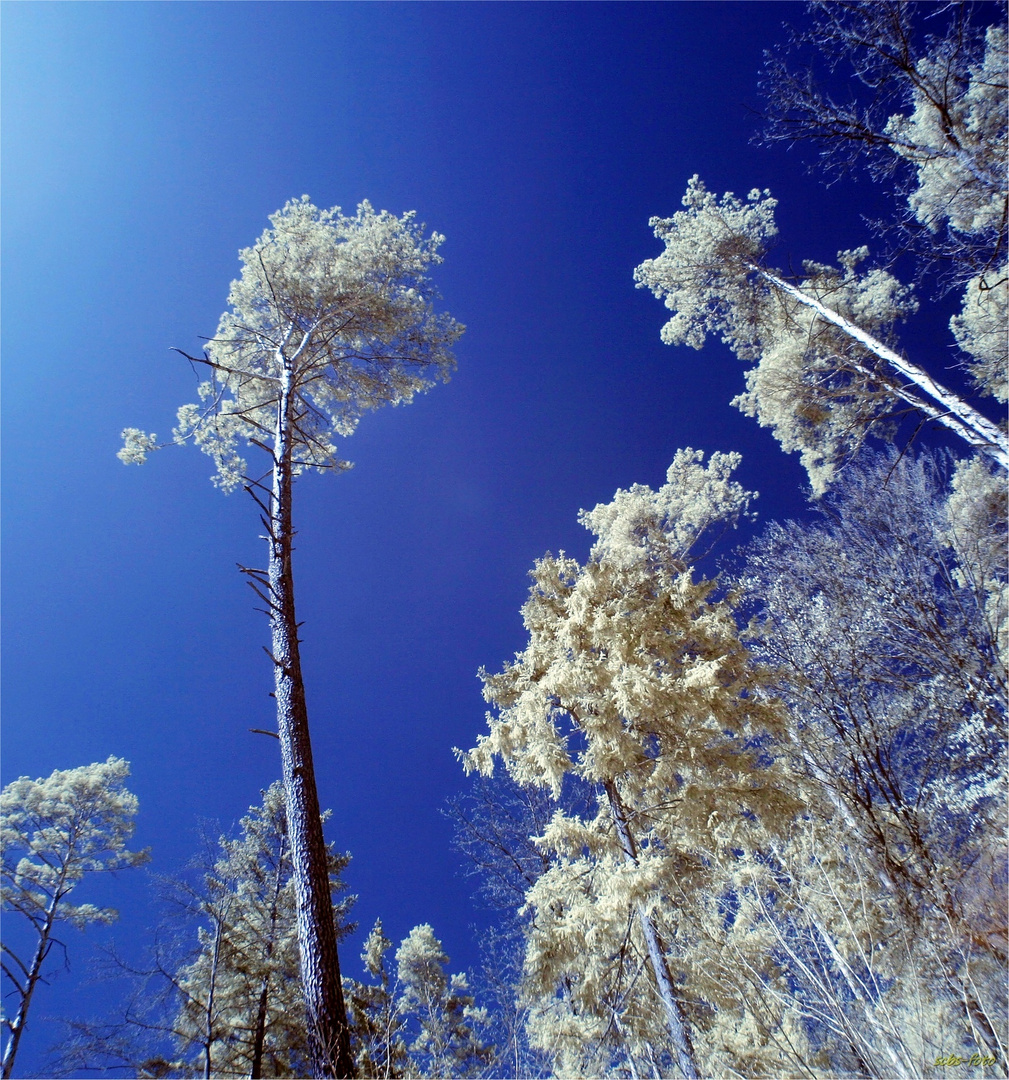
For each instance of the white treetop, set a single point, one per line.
(928, 111)
(331, 317)
(53, 833)
(586, 625)
(419, 1021)
(377, 1025)
(982, 331)
(634, 679)
(57, 830)
(957, 144)
(824, 371)
(339, 305)
(437, 1009)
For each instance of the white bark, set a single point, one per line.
(675, 1024)
(34, 973)
(945, 406)
(208, 1012)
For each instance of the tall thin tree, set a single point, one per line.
(332, 317)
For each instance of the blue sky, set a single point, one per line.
(143, 145)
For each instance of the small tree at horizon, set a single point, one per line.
(332, 317)
(54, 832)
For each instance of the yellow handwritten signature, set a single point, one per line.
(955, 1059)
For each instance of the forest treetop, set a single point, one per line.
(340, 307)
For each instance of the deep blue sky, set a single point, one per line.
(143, 145)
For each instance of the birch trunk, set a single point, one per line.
(675, 1024)
(941, 405)
(320, 966)
(32, 977)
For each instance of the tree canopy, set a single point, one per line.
(54, 832)
(341, 303)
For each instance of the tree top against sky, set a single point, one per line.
(53, 833)
(823, 342)
(340, 308)
(928, 91)
(827, 365)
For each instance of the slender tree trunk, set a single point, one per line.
(256, 1072)
(259, 1038)
(33, 974)
(675, 1024)
(320, 966)
(940, 404)
(208, 1045)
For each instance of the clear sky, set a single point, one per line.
(143, 145)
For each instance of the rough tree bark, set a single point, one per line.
(328, 1032)
(331, 318)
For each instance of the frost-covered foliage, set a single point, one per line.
(816, 403)
(805, 823)
(137, 445)
(219, 993)
(982, 331)
(976, 515)
(824, 371)
(377, 1024)
(703, 275)
(956, 136)
(928, 112)
(53, 833)
(849, 988)
(416, 1022)
(925, 112)
(895, 675)
(826, 368)
(635, 681)
(882, 624)
(240, 999)
(441, 1016)
(341, 303)
(586, 645)
(958, 143)
(332, 317)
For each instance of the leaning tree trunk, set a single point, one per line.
(32, 978)
(933, 399)
(328, 1032)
